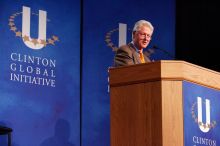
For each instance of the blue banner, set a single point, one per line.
(40, 65)
(39, 72)
(201, 115)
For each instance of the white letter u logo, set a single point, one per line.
(203, 127)
(28, 41)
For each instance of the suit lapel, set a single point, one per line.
(146, 58)
(136, 57)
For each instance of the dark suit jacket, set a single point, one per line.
(127, 55)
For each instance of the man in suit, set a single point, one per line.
(132, 53)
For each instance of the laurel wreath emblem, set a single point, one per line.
(108, 39)
(50, 41)
(211, 125)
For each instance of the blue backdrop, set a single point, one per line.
(100, 36)
(40, 72)
(39, 89)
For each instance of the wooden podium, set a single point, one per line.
(146, 101)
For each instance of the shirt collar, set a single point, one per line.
(136, 49)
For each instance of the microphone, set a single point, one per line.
(166, 52)
(149, 52)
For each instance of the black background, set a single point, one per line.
(198, 32)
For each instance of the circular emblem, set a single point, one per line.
(108, 39)
(195, 118)
(50, 41)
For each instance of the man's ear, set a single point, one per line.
(133, 33)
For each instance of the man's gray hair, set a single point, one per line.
(140, 23)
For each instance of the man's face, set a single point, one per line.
(142, 37)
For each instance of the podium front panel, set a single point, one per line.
(201, 115)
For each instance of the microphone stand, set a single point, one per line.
(166, 52)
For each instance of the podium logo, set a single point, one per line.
(207, 125)
(33, 43)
